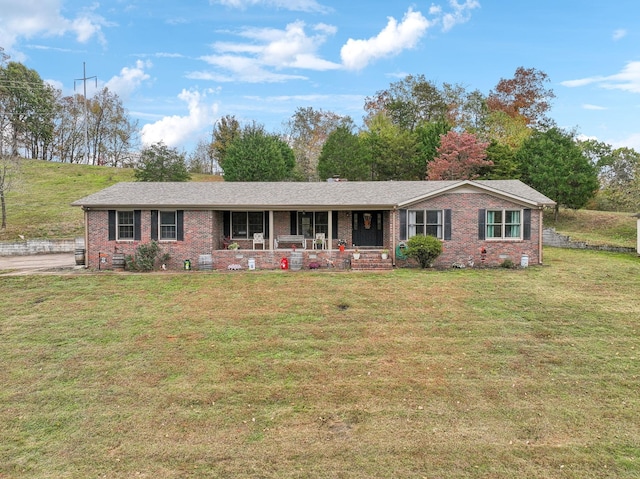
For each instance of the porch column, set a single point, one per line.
(329, 239)
(271, 231)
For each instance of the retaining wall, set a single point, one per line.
(552, 238)
(37, 246)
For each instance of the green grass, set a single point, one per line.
(595, 227)
(39, 204)
(459, 373)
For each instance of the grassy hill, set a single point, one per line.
(39, 206)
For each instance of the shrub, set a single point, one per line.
(424, 249)
(145, 257)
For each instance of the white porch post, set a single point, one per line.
(329, 239)
(271, 231)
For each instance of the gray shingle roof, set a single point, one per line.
(288, 195)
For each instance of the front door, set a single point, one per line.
(367, 228)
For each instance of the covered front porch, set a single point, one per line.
(303, 229)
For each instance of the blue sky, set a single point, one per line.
(180, 65)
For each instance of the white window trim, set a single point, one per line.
(118, 225)
(503, 225)
(175, 225)
(425, 211)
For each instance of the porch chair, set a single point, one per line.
(258, 238)
(321, 241)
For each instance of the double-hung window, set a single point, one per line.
(425, 222)
(505, 224)
(245, 223)
(125, 225)
(168, 225)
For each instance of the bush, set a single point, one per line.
(145, 257)
(424, 249)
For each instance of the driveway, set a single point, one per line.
(38, 263)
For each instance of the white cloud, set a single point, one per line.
(26, 19)
(394, 38)
(129, 79)
(293, 5)
(632, 141)
(176, 130)
(619, 34)
(269, 49)
(627, 80)
(588, 106)
(461, 13)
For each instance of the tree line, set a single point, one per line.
(414, 129)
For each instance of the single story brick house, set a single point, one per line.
(478, 222)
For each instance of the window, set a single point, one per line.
(310, 223)
(245, 223)
(504, 224)
(125, 225)
(168, 225)
(425, 222)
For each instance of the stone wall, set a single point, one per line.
(552, 238)
(37, 246)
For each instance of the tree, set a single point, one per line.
(393, 151)
(258, 156)
(428, 136)
(225, 131)
(504, 165)
(344, 155)
(158, 162)
(27, 108)
(306, 132)
(9, 171)
(460, 156)
(199, 160)
(408, 102)
(523, 95)
(618, 174)
(553, 163)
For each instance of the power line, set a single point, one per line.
(86, 121)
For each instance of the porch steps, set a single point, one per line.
(371, 261)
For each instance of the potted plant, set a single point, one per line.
(385, 253)
(342, 244)
(234, 246)
(356, 254)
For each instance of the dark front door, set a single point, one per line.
(367, 228)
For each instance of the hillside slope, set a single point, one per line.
(38, 205)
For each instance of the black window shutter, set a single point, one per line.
(403, 224)
(294, 223)
(447, 224)
(226, 224)
(526, 226)
(137, 227)
(334, 224)
(154, 225)
(482, 214)
(112, 225)
(180, 225)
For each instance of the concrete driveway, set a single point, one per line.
(39, 263)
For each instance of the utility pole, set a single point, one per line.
(86, 115)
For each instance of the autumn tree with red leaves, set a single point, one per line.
(524, 96)
(460, 157)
